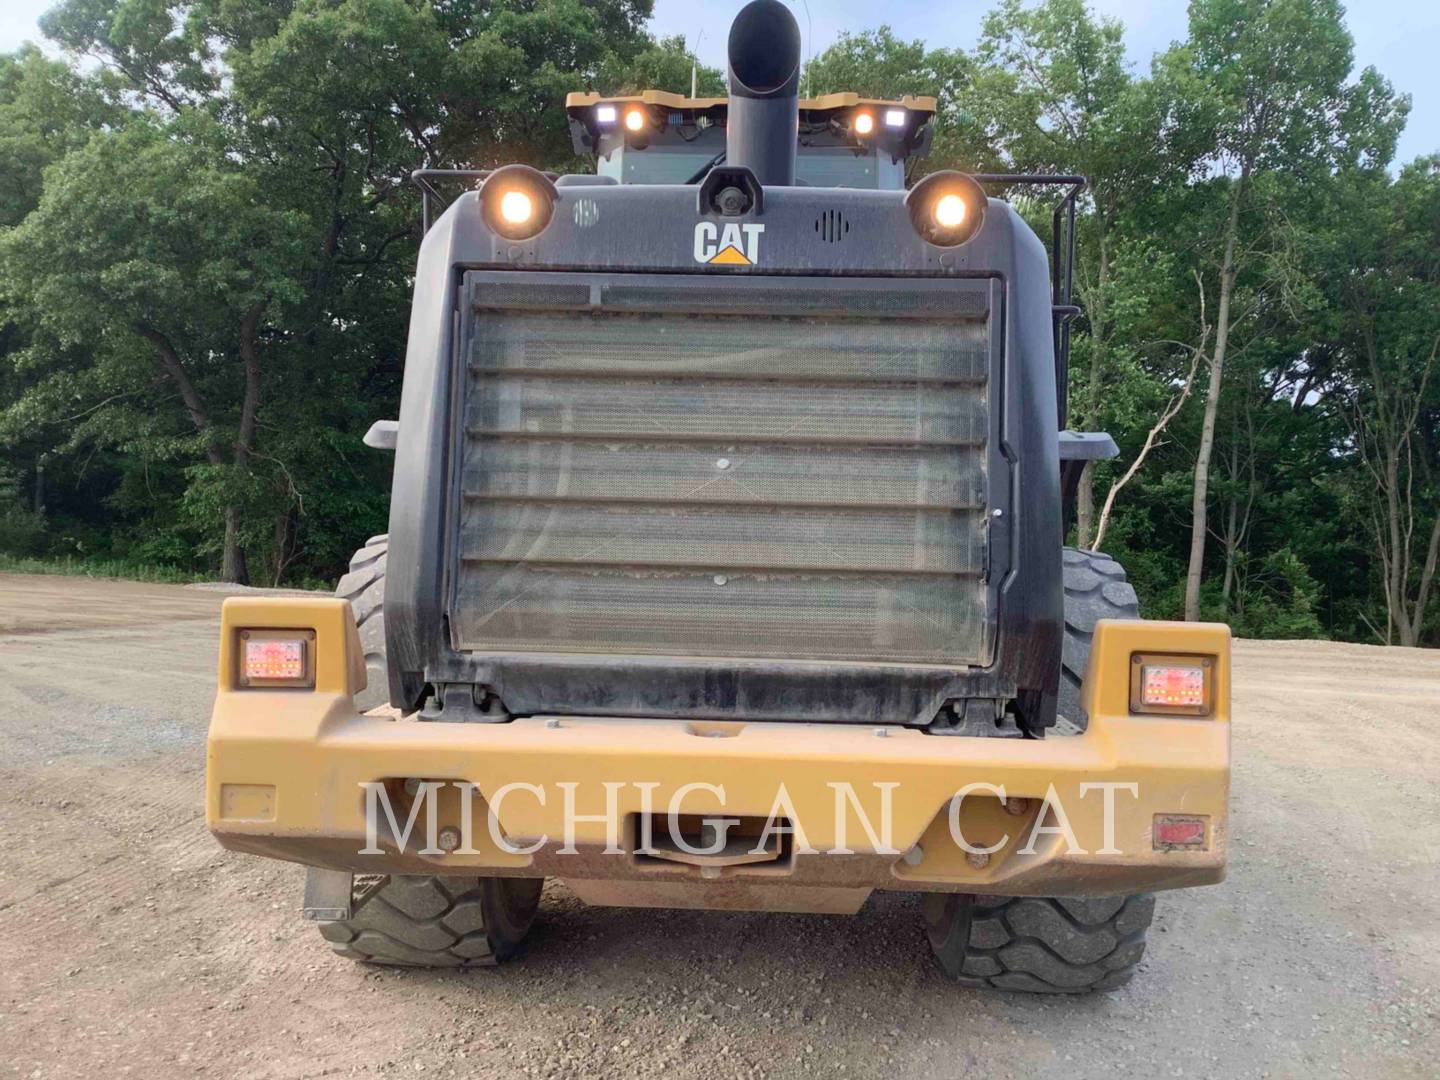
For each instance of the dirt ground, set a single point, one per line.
(131, 944)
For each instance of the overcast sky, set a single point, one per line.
(1400, 37)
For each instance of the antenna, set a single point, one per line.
(695, 62)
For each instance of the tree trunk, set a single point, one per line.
(1232, 523)
(1410, 634)
(1085, 506)
(234, 564)
(1212, 406)
(232, 560)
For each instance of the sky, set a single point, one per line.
(1397, 36)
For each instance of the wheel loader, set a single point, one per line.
(725, 568)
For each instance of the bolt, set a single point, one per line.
(552, 723)
(710, 873)
(1017, 806)
(721, 579)
(978, 859)
(915, 856)
(449, 838)
(723, 463)
(997, 513)
(882, 733)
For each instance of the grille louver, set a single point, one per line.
(712, 485)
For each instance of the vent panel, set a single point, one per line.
(776, 486)
(832, 226)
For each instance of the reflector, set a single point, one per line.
(1173, 830)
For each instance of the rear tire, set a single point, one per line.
(1095, 588)
(436, 921)
(1037, 945)
(364, 587)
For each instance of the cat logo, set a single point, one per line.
(734, 245)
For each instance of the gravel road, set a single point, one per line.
(131, 944)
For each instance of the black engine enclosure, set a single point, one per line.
(606, 233)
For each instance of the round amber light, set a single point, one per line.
(516, 207)
(634, 120)
(864, 123)
(949, 211)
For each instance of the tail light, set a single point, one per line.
(276, 658)
(1172, 685)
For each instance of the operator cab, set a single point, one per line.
(845, 141)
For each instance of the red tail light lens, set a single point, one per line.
(1172, 685)
(276, 658)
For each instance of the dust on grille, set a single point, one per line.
(699, 485)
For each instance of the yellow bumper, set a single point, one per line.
(288, 772)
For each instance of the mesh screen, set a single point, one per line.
(706, 485)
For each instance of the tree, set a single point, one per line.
(1276, 72)
(1058, 97)
(322, 109)
(1387, 383)
(152, 270)
(45, 110)
(664, 65)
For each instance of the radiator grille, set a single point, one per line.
(707, 485)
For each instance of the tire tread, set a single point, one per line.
(1044, 945)
(1095, 589)
(364, 586)
(417, 921)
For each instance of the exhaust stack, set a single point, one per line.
(764, 111)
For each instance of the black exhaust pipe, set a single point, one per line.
(764, 112)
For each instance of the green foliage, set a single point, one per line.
(664, 65)
(1278, 599)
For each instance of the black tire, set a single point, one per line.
(1095, 588)
(1046, 946)
(435, 921)
(364, 587)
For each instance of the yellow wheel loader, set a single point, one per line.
(725, 568)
